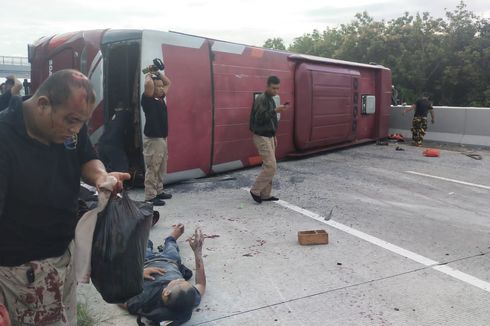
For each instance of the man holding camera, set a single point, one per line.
(156, 131)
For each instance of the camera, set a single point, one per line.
(157, 65)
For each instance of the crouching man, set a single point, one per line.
(167, 295)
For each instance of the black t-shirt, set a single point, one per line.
(422, 107)
(39, 186)
(4, 100)
(151, 297)
(156, 125)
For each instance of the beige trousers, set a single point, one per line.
(155, 153)
(266, 147)
(50, 299)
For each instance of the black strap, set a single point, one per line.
(474, 156)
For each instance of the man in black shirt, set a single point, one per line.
(12, 86)
(156, 131)
(44, 152)
(419, 123)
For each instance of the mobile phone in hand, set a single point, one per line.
(287, 103)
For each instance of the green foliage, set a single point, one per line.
(276, 43)
(83, 317)
(446, 58)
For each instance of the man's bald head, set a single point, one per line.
(60, 107)
(61, 85)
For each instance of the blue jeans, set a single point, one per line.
(170, 250)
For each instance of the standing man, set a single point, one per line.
(12, 86)
(155, 150)
(44, 152)
(419, 123)
(263, 124)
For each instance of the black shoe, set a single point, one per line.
(156, 201)
(256, 198)
(164, 196)
(156, 217)
(271, 198)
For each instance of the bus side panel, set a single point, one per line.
(74, 50)
(325, 105)
(239, 73)
(383, 92)
(377, 83)
(367, 123)
(189, 103)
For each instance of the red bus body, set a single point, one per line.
(213, 87)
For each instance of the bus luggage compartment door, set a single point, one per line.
(325, 109)
(189, 100)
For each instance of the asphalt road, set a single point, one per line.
(406, 248)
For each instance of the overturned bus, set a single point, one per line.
(333, 103)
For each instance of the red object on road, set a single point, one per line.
(397, 137)
(432, 152)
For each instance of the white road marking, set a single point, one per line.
(450, 180)
(389, 246)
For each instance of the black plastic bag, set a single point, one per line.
(118, 249)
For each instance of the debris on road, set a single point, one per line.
(397, 137)
(329, 216)
(474, 156)
(431, 152)
(313, 237)
(214, 236)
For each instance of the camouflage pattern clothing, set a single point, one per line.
(419, 126)
(40, 292)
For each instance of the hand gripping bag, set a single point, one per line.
(118, 248)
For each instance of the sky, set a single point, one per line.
(249, 22)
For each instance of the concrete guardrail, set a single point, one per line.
(459, 125)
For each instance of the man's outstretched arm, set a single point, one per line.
(196, 243)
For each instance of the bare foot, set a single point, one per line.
(177, 231)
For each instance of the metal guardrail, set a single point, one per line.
(460, 125)
(15, 61)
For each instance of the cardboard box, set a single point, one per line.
(313, 237)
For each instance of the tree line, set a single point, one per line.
(447, 59)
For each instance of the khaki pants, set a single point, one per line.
(266, 147)
(49, 300)
(155, 153)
